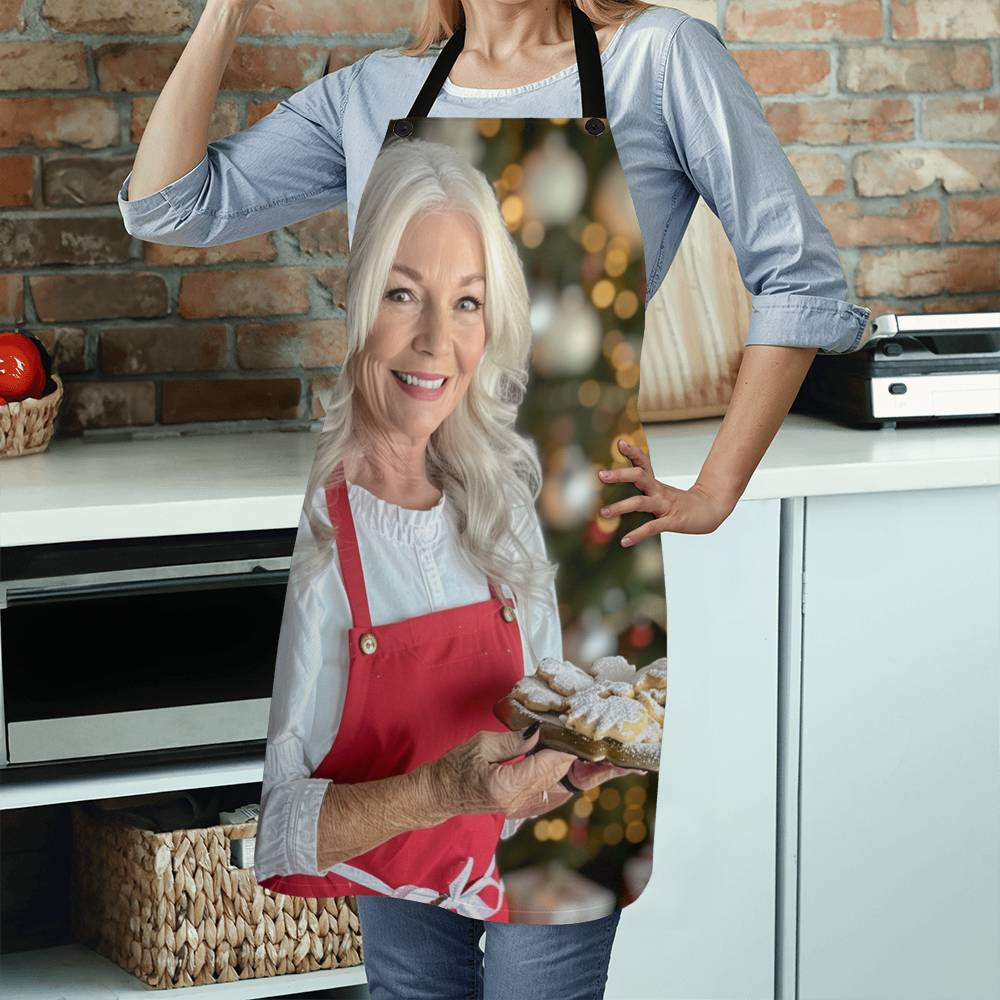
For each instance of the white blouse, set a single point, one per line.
(412, 565)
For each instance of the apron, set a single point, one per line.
(419, 687)
(416, 688)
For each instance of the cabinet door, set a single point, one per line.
(899, 878)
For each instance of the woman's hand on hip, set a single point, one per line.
(695, 511)
(474, 777)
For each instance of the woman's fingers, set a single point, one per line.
(652, 505)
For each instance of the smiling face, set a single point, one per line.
(429, 334)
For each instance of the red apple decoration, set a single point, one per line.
(24, 367)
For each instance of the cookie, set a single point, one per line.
(613, 668)
(653, 733)
(653, 708)
(534, 693)
(564, 677)
(653, 675)
(614, 717)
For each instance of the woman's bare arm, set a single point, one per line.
(176, 135)
(766, 385)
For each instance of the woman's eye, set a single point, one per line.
(394, 292)
(471, 302)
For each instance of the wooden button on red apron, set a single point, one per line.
(507, 613)
(368, 643)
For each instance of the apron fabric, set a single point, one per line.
(416, 688)
(420, 686)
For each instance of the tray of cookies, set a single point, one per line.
(611, 712)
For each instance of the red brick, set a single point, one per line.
(347, 16)
(68, 347)
(837, 122)
(98, 295)
(322, 234)
(319, 343)
(260, 247)
(43, 66)
(334, 280)
(963, 118)
(260, 291)
(915, 67)
(348, 54)
(853, 223)
(11, 15)
(975, 219)
(132, 350)
(118, 17)
(203, 400)
(257, 110)
(785, 71)
(106, 404)
(802, 20)
(11, 298)
(33, 241)
(820, 173)
(73, 181)
(900, 171)
(91, 122)
(16, 180)
(917, 272)
(945, 18)
(967, 303)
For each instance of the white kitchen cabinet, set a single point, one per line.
(899, 810)
(828, 822)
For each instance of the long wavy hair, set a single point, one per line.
(441, 17)
(486, 469)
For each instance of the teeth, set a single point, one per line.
(413, 380)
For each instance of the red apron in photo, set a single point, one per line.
(417, 688)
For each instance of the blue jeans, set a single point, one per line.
(415, 951)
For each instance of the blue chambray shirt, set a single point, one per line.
(684, 120)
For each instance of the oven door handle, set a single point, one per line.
(147, 579)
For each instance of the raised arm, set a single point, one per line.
(290, 165)
(714, 126)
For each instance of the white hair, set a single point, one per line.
(486, 468)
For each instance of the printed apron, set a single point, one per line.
(416, 688)
(421, 686)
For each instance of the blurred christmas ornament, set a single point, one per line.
(613, 207)
(596, 638)
(569, 488)
(555, 181)
(569, 342)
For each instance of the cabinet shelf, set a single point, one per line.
(78, 972)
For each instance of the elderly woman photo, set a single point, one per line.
(419, 556)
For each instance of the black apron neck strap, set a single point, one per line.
(588, 60)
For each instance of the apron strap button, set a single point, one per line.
(403, 127)
(368, 643)
(594, 126)
(507, 612)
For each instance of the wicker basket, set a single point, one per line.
(27, 425)
(172, 910)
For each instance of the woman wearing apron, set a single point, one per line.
(473, 783)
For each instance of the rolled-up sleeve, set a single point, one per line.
(786, 255)
(290, 797)
(288, 166)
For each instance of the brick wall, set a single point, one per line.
(887, 108)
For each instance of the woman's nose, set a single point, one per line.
(433, 332)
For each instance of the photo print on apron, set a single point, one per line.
(565, 288)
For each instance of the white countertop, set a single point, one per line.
(87, 488)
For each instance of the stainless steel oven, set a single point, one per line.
(139, 645)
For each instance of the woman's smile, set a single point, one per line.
(421, 385)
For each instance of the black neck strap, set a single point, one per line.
(588, 60)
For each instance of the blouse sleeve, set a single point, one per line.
(288, 166)
(290, 797)
(787, 258)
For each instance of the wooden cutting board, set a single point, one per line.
(696, 327)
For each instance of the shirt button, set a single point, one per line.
(368, 643)
(508, 613)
